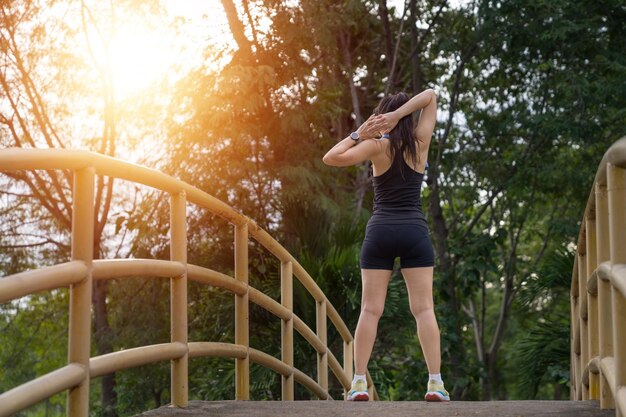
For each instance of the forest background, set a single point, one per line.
(242, 99)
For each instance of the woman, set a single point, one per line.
(397, 227)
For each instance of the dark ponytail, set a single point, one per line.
(401, 139)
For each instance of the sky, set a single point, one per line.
(145, 56)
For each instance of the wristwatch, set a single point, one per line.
(355, 136)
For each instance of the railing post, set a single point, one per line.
(242, 321)
(322, 357)
(616, 186)
(592, 306)
(584, 344)
(574, 325)
(80, 294)
(348, 362)
(605, 321)
(286, 299)
(178, 297)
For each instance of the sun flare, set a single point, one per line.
(140, 55)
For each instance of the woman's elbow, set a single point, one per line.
(328, 160)
(432, 97)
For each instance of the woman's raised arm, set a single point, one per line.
(416, 103)
(426, 100)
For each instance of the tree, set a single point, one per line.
(491, 213)
(45, 81)
(530, 94)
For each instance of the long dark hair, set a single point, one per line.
(402, 138)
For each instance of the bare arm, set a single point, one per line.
(425, 101)
(428, 119)
(348, 152)
(418, 102)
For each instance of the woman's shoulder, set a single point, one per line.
(382, 145)
(379, 144)
(382, 159)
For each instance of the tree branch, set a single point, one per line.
(38, 109)
(481, 211)
(471, 313)
(383, 13)
(509, 292)
(246, 9)
(42, 194)
(424, 34)
(32, 245)
(236, 28)
(392, 71)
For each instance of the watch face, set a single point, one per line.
(354, 136)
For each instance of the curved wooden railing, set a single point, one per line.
(598, 369)
(82, 270)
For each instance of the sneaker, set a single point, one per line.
(436, 392)
(358, 391)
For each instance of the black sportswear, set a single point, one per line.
(397, 227)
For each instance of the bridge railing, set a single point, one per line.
(598, 295)
(82, 270)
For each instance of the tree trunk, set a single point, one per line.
(417, 81)
(103, 337)
(102, 334)
(157, 397)
(361, 183)
(558, 392)
(237, 29)
(383, 12)
(488, 379)
(393, 71)
(441, 234)
(446, 272)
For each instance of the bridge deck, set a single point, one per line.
(384, 409)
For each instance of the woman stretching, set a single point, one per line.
(397, 227)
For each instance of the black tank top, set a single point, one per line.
(397, 195)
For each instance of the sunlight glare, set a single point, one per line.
(140, 57)
(143, 56)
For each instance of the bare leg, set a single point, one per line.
(419, 284)
(375, 283)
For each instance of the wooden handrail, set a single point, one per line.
(120, 268)
(598, 292)
(82, 270)
(41, 388)
(130, 358)
(52, 277)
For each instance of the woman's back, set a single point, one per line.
(397, 194)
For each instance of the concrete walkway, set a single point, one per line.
(384, 409)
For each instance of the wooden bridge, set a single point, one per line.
(384, 408)
(598, 307)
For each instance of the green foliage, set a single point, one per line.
(542, 354)
(33, 342)
(544, 358)
(537, 92)
(511, 176)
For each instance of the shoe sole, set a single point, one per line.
(435, 397)
(360, 397)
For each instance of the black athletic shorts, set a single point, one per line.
(384, 242)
